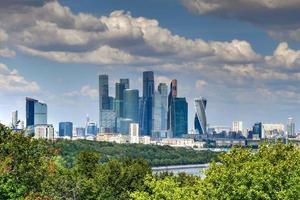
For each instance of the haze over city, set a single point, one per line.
(245, 64)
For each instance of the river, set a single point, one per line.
(196, 169)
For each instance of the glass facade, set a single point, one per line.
(65, 129)
(108, 121)
(200, 116)
(148, 93)
(36, 112)
(180, 116)
(119, 101)
(125, 81)
(91, 129)
(104, 100)
(131, 104)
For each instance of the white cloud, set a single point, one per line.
(12, 81)
(85, 91)
(284, 57)
(200, 84)
(7, 53)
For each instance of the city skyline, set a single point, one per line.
(255, 82)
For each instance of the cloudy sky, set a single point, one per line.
(242, 55)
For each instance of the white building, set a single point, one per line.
(237, 126)
(44, 131)
(271, 131)
(290, 127)
(134, 132)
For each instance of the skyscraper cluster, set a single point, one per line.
(157, 113)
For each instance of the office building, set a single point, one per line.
(65, 129)
(290, 127)
(237, 126)
(124, 125)
(91, 129)
(108, 121)
(44, 131)
(177, 113)
(160, 109)
(119, 99)
(80, 131)
(36, 112)
(14, 120)
(272, 131)
(125, 81)
(104, 100)
(134, 132)
(131, 104)
(200, 122)
(257, 131)
(146, 111)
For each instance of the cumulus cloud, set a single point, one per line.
(5, 52)
(12, 81)
(55, 32)
(200, 84)
(280, 18)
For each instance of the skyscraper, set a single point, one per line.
(200, 116)
(125, 81)
(36, 112)
(237, 126)
(160, 108)
(14, 120)
(148, 92)
(119, 99)
(65, 129)
(177, 113)
(131, 104)
(290, 127)
(104, 102)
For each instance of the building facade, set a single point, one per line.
(290, 127)
(44, 131)
(200, 122)
(131, 104)
(36, 112)
(65, 129)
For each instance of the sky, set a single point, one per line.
(243, 56)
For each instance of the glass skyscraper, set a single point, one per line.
(177, 113)
(125, 81)
(119, 99)
(146, 108)
(160, 109)
(290, 127)
(65, 129)
(104, 101)
(131, 104)
(108, 121)
(36, 112)
(200, 116)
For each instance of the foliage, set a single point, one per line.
(154, 154)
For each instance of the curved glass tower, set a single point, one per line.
(200, 116)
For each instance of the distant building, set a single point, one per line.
(36, 112)
(131, 104)
(104, 100)
(200, 122)
(134, 132)
(91, 129)
(290, 127)
(272, 131)
(14, 120)
(160, 109)
(124, 125)
(125, 81)
(65, 129)
(257, 131)
(237, 126)
(108, 121)
(146, 111)
(177, 123)
(119, 99)
(80, 131)
(44, 131)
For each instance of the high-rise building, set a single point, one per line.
(179, 112)
(124, 125)
(200, 122)
(36, 112)
(44, 131)
(119, 99)
(172, 95)
(257, 130)
(108, 121)
(104, 101)
(160, 109)
(14, 120)
(290, 127)
(91, 129)
(125, 81)
(134, 132)
(65, 129)
(131, 104)
(237, 126)
(148, 93)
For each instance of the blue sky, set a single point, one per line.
(243, 57)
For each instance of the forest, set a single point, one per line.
(36, 169)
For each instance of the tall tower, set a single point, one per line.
(119, 99)
(36, 112)
(160, 108)
(200, 116)
(131, 104)
(104, 102)
(172, 95)
(290, 127)
(125, 81)
(148, 93)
